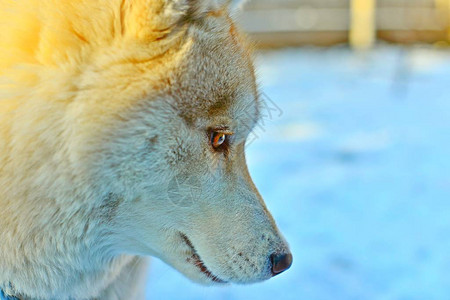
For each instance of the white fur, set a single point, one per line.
(102, 108)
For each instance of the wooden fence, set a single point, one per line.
(360, 23)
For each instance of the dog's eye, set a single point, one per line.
(218, 139)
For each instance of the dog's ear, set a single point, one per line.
(202, 7)
(152, 18)
(148, 17)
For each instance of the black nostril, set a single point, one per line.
(280, 262)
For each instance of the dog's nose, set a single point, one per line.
(280, 262)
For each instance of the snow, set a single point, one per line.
(360, 183)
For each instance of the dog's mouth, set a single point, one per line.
(195, 260)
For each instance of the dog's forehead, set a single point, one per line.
(239, 112)
(216, 82)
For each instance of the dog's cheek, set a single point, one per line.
(184, 151)
(178, 153)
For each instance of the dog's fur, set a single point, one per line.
(104, 104)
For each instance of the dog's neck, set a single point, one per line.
(106, 282)
(126, 282)
(69, 263)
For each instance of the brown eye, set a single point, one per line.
(217, 139)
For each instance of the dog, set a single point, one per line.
(123, 126)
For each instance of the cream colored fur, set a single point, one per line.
(103, 104)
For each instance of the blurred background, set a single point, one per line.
(353, 152)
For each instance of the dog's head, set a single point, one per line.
(173, 101)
